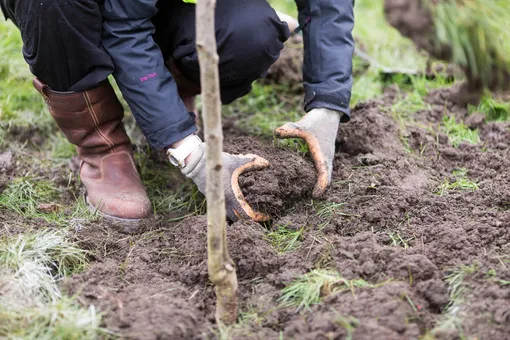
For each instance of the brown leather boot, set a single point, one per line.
(92, 120)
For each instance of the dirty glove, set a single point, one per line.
(318, 128)
(233, 167)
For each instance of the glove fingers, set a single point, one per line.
(293, 130)
(243, 210)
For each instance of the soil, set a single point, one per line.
(287, 69)
(390, 228)
(289, 178)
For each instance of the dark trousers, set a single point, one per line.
(62, 42)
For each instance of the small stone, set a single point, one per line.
(6, 161)
(368, 159)
(48, 208)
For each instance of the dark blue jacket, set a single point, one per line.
(152, 93)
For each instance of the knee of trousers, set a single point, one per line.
(249, 39)
(252, 44)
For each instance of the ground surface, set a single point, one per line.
(412, 240)
(384, 221)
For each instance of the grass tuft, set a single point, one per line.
(451, 318)
(327, 210)
(459, 133)
(396, 240)
(494, 110)
(285, 240)
(34, 263)
(31, 305)
(310, 288)
(24, 194)
(61, 319)
(295, 144)
(460, 183)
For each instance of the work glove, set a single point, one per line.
(233, 167)
(318, 128)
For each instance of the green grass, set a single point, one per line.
(477, 32)
(35, 263)
(62, 319)
(412, 91)
(21, 107)
(494, 110)
(396, 240)
(266, 108)
(285, 240)
(319, 283)
(61, 149)
(459, 133)
(169, 193)
(24, 195)
(31, 304)
(460, 182)
(384, 44)
(296, 144)
(327, 210)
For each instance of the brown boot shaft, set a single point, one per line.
(99, 114)
(92, 120)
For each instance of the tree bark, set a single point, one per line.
(220, 266)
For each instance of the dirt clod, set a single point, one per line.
(289, 178)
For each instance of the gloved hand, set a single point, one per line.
(318, 128)
(233, 167)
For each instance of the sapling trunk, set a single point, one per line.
(221, 267)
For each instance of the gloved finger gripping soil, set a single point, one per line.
(233, 166)
(257, 163)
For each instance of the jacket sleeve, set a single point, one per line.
(328, 43)
(140, 72)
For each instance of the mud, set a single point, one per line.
(386, 224)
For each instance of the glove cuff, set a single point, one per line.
(192, 167)
(329, 112)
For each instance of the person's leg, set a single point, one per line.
(62, 45)
(249, 35)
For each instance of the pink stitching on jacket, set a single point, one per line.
(149, 76)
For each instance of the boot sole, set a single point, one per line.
(128, 225)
